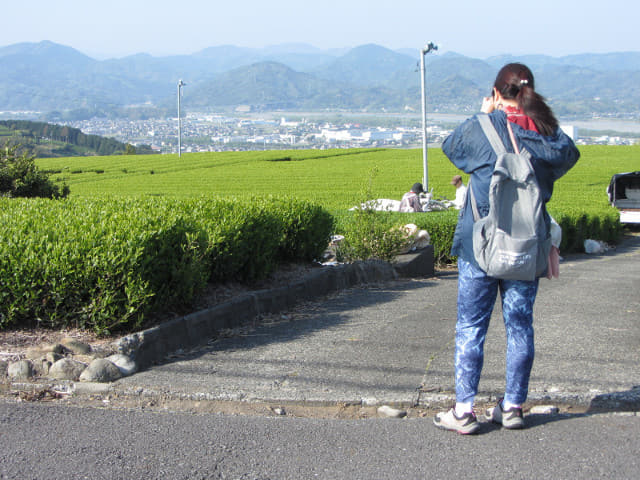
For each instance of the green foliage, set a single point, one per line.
(19, 177)
(307, 230)
(43, 139)
(334, 180)
(441, 227)
(107, 264)
(370, 233)
(578, 226)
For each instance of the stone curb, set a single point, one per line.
(151, 346)
(628, 401)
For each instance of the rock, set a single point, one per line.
(43, 364)
(52, 357)
(124, 363)
(67, 369)
(544, 410)
(39, 352)
(391, 412)
(56, 348)
(76, 346)
(35, 353)
(3, 369)
(21, 370)
(279, 411)
(101, 370)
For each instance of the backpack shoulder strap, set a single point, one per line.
(491, 134)
(498, 147)
(474, 205)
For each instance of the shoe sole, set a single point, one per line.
(516, 425)
(470, 431)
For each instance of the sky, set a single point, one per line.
(476, 28)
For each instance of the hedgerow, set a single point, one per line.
(106, 264)
(334, 178)
(577, 226)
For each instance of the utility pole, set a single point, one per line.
(180, 85)
(423, 52)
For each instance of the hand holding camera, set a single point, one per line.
(488, 105)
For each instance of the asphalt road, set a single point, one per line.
(380, 344)
(370, 343)
(41, 441)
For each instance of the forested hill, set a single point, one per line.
(48, 140)
(59, 82)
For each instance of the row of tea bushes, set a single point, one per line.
(577, 226)
(106, 264)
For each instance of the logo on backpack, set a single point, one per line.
(512, 241)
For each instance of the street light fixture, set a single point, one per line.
(180, 85)
(423, 52)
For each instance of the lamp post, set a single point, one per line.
(180, 85)
(426, 49)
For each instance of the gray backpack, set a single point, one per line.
(512, 241)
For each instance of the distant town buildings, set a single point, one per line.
(208, 132)
(571, 131)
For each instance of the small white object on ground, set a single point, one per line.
(391, 412)
(544, 410)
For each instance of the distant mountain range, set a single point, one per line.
(49, 77)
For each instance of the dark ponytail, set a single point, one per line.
(515, 82)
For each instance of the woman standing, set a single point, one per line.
(553, 153)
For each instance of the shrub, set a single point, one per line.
(19, 177)
(307, 230)
(371, 234)
(108, 264)
(578, 226)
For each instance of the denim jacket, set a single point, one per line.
(470, 151)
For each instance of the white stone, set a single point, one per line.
(67, 369)
(391, 412)
(124, 363)
(21, 370)
(101, 370)
(544, 410)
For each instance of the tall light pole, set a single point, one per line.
(180, 85)
(423, 52)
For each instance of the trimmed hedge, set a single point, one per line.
(577, 226)
(106, 264)
(440, 225)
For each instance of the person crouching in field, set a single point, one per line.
(411, 200)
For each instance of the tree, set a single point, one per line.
(19, 176)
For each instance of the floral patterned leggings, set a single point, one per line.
(477, 295)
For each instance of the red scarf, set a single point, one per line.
(516, 116)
